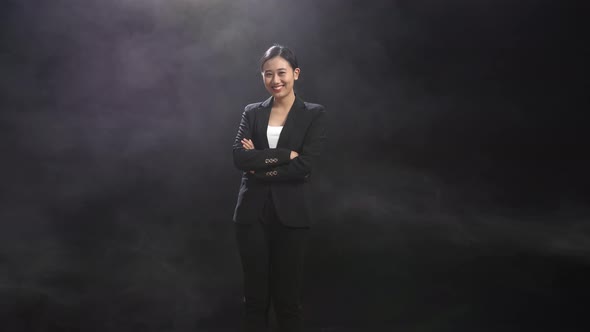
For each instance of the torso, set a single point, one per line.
(277, 117)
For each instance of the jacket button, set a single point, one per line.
(266, 161)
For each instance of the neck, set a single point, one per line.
(285, 102)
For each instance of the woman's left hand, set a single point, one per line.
(247, 144)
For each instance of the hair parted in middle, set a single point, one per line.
(283, 52)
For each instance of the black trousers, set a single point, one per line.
(272, 262)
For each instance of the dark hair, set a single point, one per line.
(283, 52)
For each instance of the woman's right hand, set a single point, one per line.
(294, 155)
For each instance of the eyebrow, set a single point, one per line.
(268, 70)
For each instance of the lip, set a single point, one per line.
(277, 87)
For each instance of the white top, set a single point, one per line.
(273, 133)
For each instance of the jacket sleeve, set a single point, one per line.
(257, 159)
(300, 168)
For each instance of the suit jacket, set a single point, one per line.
(288, 181)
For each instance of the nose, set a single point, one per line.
(275, 79)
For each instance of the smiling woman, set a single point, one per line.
(277, 146)
(280, 71)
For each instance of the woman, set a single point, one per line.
(277, 146)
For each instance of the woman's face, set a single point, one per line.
(279, 77)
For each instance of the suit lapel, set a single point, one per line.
(290, 122)
(263, 120)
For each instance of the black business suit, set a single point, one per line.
(287, 180)
(273, 210)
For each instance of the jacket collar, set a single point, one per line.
(297, 104)
(266, 106)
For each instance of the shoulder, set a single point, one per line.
(315, 111)
(313, 107)
(252, 107)
(256, 106)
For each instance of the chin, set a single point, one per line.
(280, 94)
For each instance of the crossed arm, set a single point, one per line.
(248, 159)
(280, 164)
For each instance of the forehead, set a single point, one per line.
(276, 63)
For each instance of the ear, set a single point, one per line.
(296, 73)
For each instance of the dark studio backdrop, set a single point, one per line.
(452, 196)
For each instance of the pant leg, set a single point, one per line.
(287, 249)
(253, 247)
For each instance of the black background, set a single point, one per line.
(452, 196)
